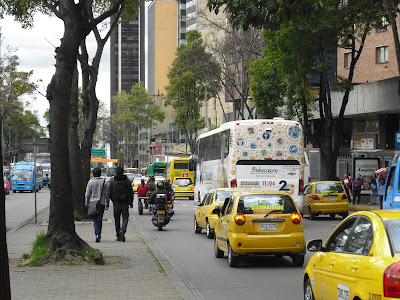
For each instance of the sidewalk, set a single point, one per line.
(139, 276)
(364, 200)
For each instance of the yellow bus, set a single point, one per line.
(179, 167)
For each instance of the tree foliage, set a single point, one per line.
(194, 73)
(133, 112)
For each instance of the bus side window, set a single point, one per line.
(389, 186)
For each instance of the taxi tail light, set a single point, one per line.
(296, 218)
(240, 219)
(391, 281)
(192, 188)
(233, 183)
(315, 197)
(169, 202)
(301, 186)
(344, 196)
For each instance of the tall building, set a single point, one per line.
(127, 60)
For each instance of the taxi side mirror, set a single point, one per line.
(314, 245)
(217, 210)
(197, 203)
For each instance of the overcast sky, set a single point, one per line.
(35, 49)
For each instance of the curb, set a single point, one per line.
(178, 279)
(23, 223)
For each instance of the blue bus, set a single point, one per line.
(22, 178)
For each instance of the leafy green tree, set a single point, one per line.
(13, 84)
(194, 73)
(302, 36)
(80, 18)
(134, 111)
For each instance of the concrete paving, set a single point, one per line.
(140, 276)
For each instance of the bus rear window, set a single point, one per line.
(262, 204)
(181, 165)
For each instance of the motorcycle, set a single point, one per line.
(161, 217)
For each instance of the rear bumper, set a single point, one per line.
(257, 244)
(328, 208)
(184, 194)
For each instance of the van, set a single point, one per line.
(391, 195)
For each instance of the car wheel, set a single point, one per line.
(217, 252)
(298, 260)
(197, 229)
(311, 215)
(209, 231)
(308, 292)
(191, 198)
(332, 216)
(344, 215)
(233, 258)
(160, 226)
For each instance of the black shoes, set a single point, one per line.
(122, 236)
(98, 239)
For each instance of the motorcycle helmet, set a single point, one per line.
(160, 185)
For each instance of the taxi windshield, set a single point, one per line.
(393, 230)
(328, 187)
(262, 204)
(183, 181)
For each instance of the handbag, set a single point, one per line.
(94, 206)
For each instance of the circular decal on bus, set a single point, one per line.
(240, 142)
(279, 153)
(266, 135)
(294, 132)
(280, 141)
(245, 154)
(293, 149)
(253, 146)
(264, 152)
(251, 131)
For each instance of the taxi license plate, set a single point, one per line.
(161, 212)
(330, 198)
(269, 226)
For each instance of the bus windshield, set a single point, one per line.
(22, 174)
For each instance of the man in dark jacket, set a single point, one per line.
(121, 193)
(160, 190)
(357, 184)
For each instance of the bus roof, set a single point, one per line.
(231, 124)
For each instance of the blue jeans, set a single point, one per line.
(121, 208)
(98, 221)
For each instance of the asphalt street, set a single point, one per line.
(258, 277)
(21, 206)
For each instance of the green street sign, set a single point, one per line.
(98, 152)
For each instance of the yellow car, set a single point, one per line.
(203, 216)
(325, 197)
(183, 187)
(360, 259)
(259, 222)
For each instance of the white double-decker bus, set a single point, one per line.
(256, 154)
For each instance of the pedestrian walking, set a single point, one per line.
(96, 191)
(346, 181)
(121, 193)
(374, 184)
(357, 184)
(381, 190)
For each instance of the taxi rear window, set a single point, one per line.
(328, 187)
(183, 181)
(393, 230)
(262, 204)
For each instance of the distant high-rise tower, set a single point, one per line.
(127, 59)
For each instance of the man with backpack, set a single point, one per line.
(121, 193)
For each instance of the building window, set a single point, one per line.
(347, 60)
(384, 25)
(382, 54)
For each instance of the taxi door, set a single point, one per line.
(199, 210)
(202, 212)
(224, 223)
(209, 206)
(306, 199)
(326, 266)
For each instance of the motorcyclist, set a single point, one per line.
(160, 190)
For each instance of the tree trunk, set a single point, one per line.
(61, 236)
(5, 291)
(78, 186)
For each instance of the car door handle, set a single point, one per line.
(354, 267)
(331, 264)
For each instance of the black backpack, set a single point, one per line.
(120, 191)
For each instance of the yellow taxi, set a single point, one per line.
(183, 187)
(136, 181)
(203, 216)
(325, 197)
(359, 260)
(259, 222)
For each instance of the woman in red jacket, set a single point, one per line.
(142, 189)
